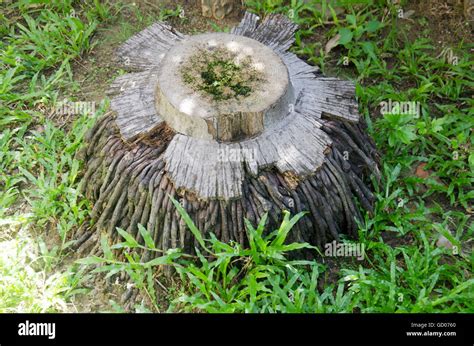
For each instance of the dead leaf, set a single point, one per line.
(408, 14)
(444, 242)
(333, 42)
(421, 172)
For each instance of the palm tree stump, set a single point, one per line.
(233, 126)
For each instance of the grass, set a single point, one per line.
(428, 164)
(38, 175)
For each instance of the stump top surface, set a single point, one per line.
(184, 108)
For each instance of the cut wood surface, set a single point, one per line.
(194, 115)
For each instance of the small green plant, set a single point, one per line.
(216, 27)
(225, 277)
(216, 73)
(177, 12)
(232, 278)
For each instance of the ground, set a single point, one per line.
(418, 241)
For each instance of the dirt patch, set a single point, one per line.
(443, 21)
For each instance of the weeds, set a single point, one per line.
(38, 169)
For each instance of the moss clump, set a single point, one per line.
(219, 74)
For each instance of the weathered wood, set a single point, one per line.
(195, 115)
(146, 49)
(195, 164)
(276, 32)
(134, 103)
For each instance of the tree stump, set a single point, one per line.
(233, 126)
(218, 9)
